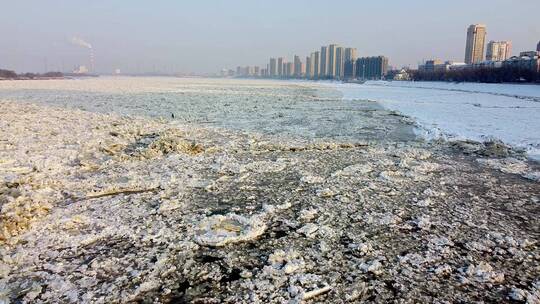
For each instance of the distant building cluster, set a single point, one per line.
(330, 62)
(494, 54)
(335, 62)
(436, 65)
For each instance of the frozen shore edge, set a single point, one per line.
(422, 100)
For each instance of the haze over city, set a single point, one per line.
(202, 37)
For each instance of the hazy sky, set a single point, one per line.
(205, 36)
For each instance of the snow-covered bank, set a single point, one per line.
(528, 91)
(462, 111)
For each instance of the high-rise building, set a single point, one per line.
(350, 54)
(308, 67)
(538, 47)
(310, 64)
(349, 69)
(340, 61)
(316, 64)
(272, 67)
(349, 63)
(280, 66)
(331, 68)
(498, 50)
(476, 39)
(371, 68)
(298, 66)
(323, 62)
(289, 69)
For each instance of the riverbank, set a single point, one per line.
(11, 75)
(105, 208)
(32, 78)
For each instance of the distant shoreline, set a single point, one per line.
(35, 78)
(362, 81)
(73, 76)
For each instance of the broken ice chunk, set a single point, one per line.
(220, 230)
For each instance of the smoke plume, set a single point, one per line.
(80, 42)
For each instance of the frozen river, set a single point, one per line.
(342, 112)
(278, 108)
(507, 112)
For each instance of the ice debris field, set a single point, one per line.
(106, 198)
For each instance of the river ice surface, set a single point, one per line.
(282, 108)
(507, 112)
(343, 112)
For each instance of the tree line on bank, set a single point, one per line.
(7, 74)
(487, 75)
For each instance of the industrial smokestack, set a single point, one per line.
(80, 42)
(92, 61)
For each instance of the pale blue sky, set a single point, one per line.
(205, 36)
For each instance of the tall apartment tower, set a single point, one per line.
(272, 67)
(316, 64)
(498, 50)
(288, 69)
(331, 69)
(349, 69)
(323, 62)
(280, 66)
(298, 66)
(349, 63)
(309, 67)
(476, 39)
(340, 62)
(350, 54)
(538, 47)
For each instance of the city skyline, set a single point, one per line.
(341, 63)
(202, 38)
(332, 62)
